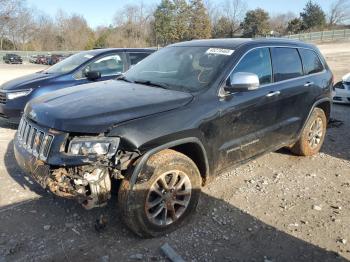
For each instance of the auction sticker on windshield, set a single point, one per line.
(219, 51)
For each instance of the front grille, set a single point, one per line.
(2, 98)
(34, 140)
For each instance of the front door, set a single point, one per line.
(248, 119)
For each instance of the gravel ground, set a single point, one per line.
(279, 207)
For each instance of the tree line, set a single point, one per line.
(140, 25)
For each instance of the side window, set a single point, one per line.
(311, 62)
(286, 63)
(137, 57)
(108, 65)
(257, 61)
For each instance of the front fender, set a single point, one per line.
(144, 158)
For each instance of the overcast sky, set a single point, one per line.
(101, 12)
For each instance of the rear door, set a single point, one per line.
(294, 92)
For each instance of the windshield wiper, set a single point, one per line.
(151, 83)
(123, 78)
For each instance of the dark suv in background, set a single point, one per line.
(12, 59)
(174, 121)
(81, 68)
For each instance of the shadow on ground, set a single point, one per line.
(60, 230)
(17, 174)
(338, 136)
(55, 229)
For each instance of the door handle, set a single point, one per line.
(309, 83)
(273, 93)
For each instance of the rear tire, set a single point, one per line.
(164, 197)
(313, 134)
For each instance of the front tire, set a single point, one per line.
(313, 134)
(165, 196)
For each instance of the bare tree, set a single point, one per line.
(45, 35)
(8, 10)
(73, 32)
(214, 10)
(131, 26)
(339, 12)
(24, 27)
(228, 17)
(235, 11)
(279, 22)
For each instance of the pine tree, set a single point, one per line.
(256, 23)
(313, 16)
(295, 25)
(164, 23)
(182, 20)
(200, 26)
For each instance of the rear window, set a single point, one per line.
(311, 62)
(286, 63)
(137, 57)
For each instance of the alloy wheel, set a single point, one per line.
(168, 198)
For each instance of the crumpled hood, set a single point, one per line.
(26, 82)
(92, 108)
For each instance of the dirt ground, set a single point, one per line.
(279, 207)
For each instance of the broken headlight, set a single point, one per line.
(94, 146)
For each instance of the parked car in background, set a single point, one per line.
(342, 90)
(40, 59)
(12, 59)
(174, 121)
(33, 59)
(54, 59)
(81, 68)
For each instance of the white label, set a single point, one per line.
(88, 56)
(219, 51)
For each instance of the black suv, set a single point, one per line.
(174, 121)
(12, 59)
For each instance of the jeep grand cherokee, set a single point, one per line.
(172, 122)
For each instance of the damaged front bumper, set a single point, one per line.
(84, 178)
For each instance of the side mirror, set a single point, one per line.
(242, 82)
(93, 75)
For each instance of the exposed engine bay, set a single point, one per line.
(90, 185)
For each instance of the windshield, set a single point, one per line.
(181, 68)
(69, 63)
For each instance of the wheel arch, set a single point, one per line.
(325, 104)
(192, 147)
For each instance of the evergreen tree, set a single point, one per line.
(200, 26)
(164, 23)
(313, 16)
(295, 25)
(182, 20)
(256, 23)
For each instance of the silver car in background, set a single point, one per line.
(342, 90)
